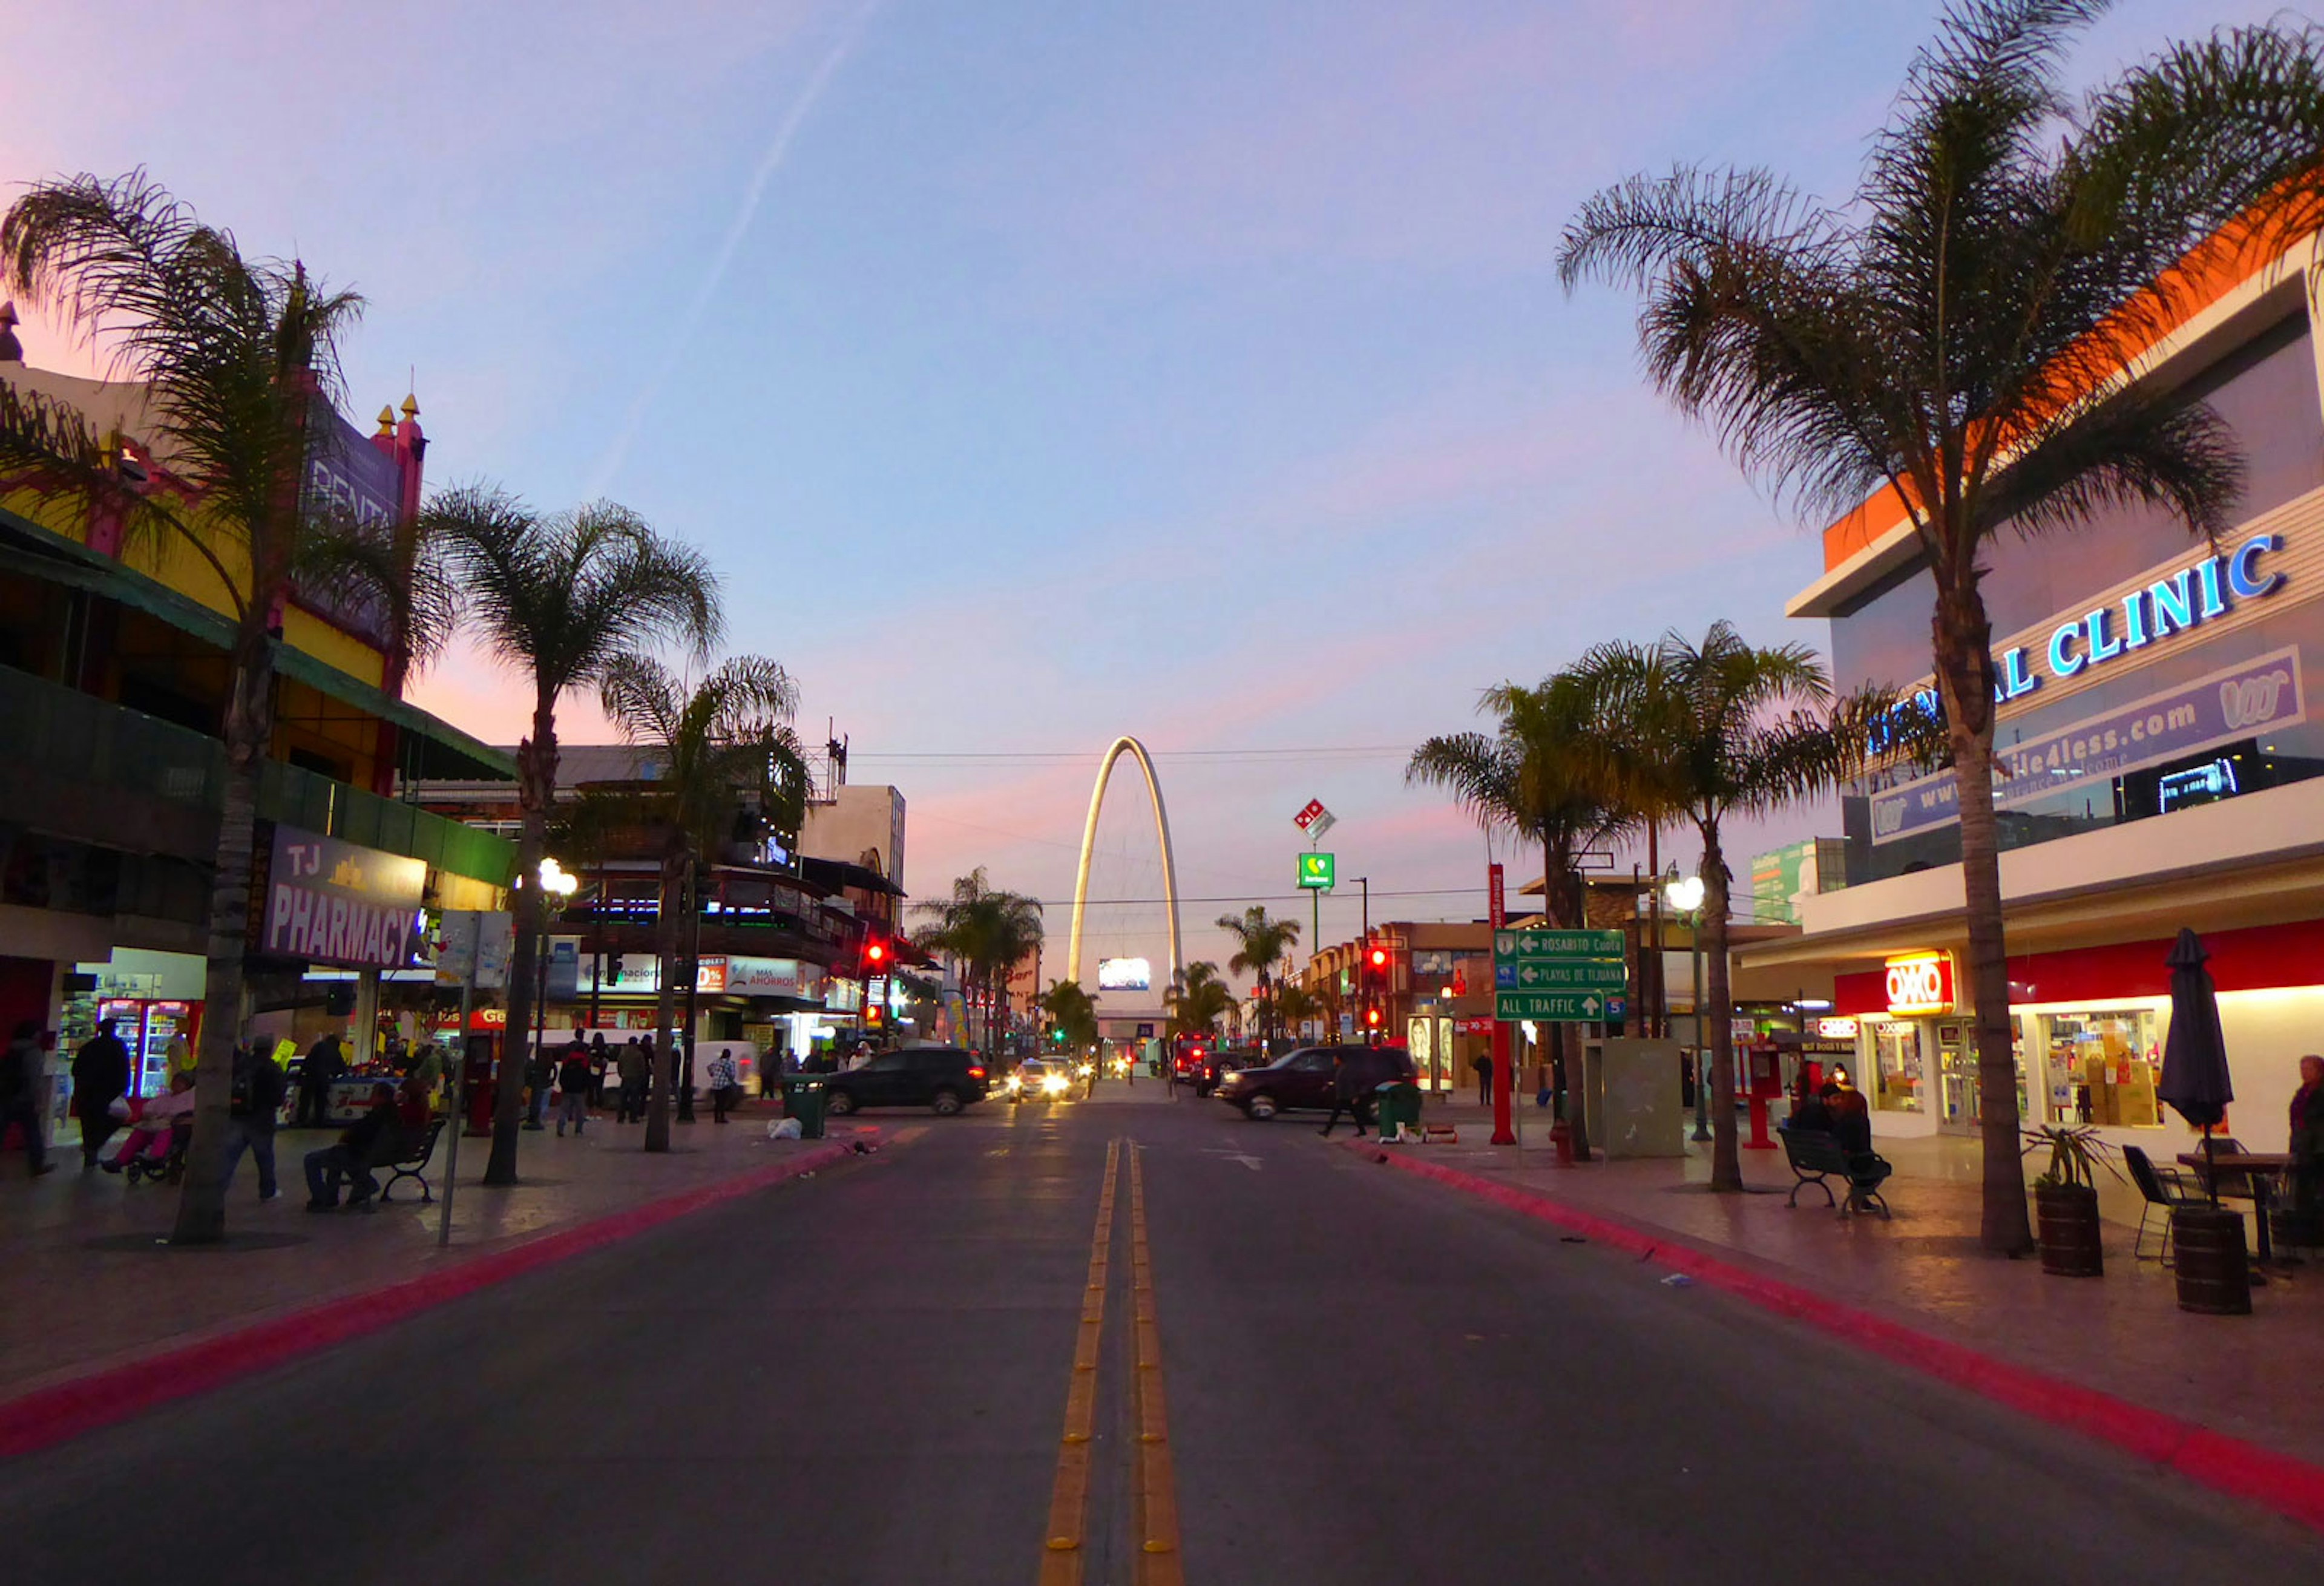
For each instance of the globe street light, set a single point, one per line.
(1684, 895)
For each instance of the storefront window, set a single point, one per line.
(2101, 1067)
(1896, 1065)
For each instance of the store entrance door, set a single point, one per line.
(1957, 1110)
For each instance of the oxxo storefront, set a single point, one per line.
(2156, 769)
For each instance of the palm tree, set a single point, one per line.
(1721, 729)
(1544, 775)
(1072, 1013)
(1261, 941)
(725, 752)
(1294, 1004)
(985, 930)
(559, 598)
(238, 358)
(1942, 338)
(1198, 1000)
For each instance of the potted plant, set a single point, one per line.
(2066, 1198)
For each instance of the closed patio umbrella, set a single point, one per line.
(2195, 1080)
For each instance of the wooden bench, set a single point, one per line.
(411, 1162)
(1816, 1156)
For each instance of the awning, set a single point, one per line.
(441, 750)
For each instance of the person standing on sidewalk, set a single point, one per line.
(573, 1080)
(538, 1073)
(100, 1075)
(632, 1071)
(20, 1080)
(257, 1103)
(1483, 1063)
(323, 1065)
(598, 1062)
(726, 1085)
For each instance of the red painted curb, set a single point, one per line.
(52, 1415)
(2289, 1486)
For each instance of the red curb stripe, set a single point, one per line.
(50, 1416)
(2289, 1486)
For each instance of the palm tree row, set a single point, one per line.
(1663, 734)
(1958, 343)
(238, 359)
(987, 932)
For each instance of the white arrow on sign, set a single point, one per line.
(1589, 1005)
(1528, 974)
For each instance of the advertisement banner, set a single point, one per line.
(2262, 695)
(329, 901)
(478, 937)
(564, 968)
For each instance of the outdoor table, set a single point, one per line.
(2261, 1166)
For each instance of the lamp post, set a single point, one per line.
(1684, 895)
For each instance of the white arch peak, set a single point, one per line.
(1137, 751)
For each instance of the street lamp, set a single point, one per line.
(1684, 895)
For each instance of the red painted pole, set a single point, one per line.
(1503, 1135)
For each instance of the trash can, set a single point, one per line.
(1398, 1104)
(803, 1100)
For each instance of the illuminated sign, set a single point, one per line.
(331, 901)
(1836, 1029)
(1920, 982)
(1319, 871)
(1124, 974)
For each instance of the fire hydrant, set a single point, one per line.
(1561, 1135)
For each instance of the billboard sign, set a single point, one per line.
(1124, 974)
(330, 901)
(1318, 871)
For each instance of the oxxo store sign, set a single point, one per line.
(1919, 982)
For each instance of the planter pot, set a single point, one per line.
(2214, 1271)
(2067, 1214)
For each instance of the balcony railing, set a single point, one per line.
(73, 738)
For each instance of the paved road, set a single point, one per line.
(863, 1378)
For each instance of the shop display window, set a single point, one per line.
(1896, 1065)
(2102, 1067)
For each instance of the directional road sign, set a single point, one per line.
(1552, 974)
(1317, 871)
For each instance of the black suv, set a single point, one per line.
(1306, 1078)
(943, 1077)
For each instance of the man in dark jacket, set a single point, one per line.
(324, 1065)
(369, 1140)
(257, 1102)
(538, 1073)
(100, 1074)
(632, 1069)
(20, 1078)
(1352, 1078)
(573, 1081)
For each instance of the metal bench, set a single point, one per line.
(1816, 1157)
(412, 1163)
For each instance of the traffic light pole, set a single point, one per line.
(1503, 1135)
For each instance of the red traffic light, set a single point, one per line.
(875, 952)
(1372, 1017)
(1378, 957)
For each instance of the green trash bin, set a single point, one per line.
(803, 1100)
(1397, 1104)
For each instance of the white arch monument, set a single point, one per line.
(1132, 747)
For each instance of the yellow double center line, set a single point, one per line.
(1156, 1516)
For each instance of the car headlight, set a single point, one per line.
(1055, 1084)
(1015, 1083)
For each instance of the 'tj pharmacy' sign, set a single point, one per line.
(329, 901)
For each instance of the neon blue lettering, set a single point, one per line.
(2103, 647)
(2063, 662)
(2239, 568)
(2133, 621)
(2207, 574)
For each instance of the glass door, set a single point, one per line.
(1958, 1109)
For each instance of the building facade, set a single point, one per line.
(2156, 769)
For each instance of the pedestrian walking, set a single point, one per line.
(574, 1081)
(1347, 1095)
(538, 1073)
(255, 1106)
(324, 1063)
(633, 1070)
(20, 1080)
(100, 1076)
(725, 1086)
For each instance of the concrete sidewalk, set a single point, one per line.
(2122, 1334)
(96, 1287)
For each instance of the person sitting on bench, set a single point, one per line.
(1809, 1112)
(1851, 1115)
(368, 1140)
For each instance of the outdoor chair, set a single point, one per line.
(2233, 1182)
(2166, 1187)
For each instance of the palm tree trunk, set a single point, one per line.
(665, 1058)
(1964, 665)
(1726, 1153)
(536, 760)
(249, 726)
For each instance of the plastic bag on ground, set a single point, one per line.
(786, 1128)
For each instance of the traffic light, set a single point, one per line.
(1058, 1035)
(1375, 960)
(875, 955)
(1372, 1017)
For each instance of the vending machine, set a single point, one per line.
(146, 1026)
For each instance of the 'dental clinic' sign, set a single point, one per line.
(2217, 709)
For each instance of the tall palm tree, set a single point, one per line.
(239, 360)
(1261, 941)
(1544, 775)
(987, 931)
(559, 597)
(1198, 1000)
(1721, 729)
(1961, 336)
(1294, 1004)
(726, 750)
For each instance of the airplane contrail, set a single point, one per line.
(771, 162)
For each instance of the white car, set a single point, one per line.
(1036, 1080)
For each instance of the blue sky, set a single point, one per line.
(1039, 371)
